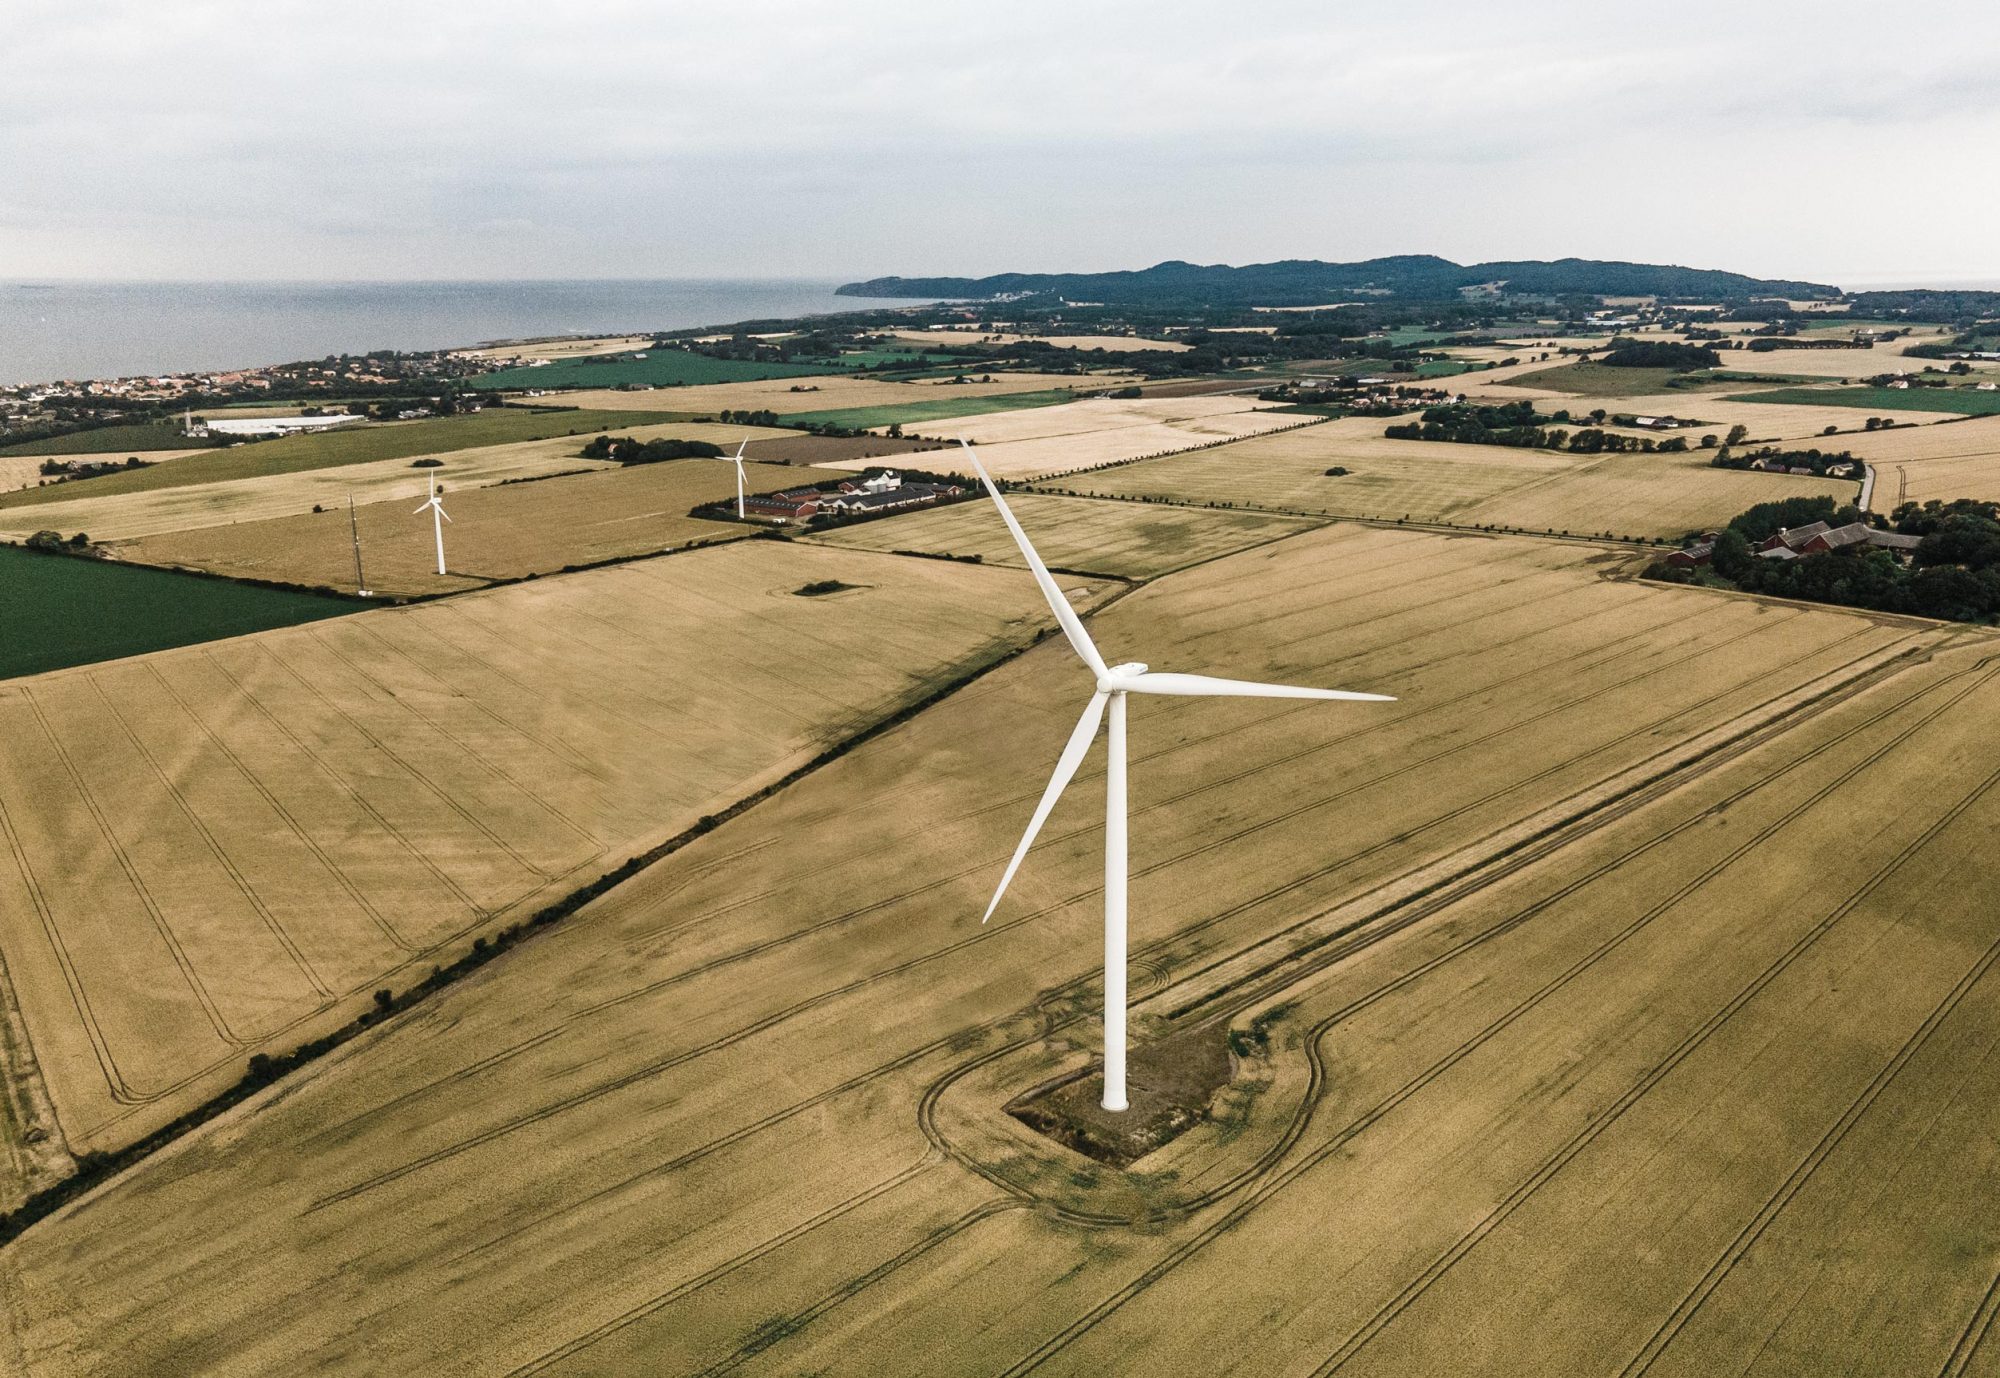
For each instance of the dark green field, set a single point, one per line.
(58, 610)
(119, 440)
(1962, 400)
(352, 445)
(906, 413)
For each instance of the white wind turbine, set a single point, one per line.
(438, 518)
(1114, 682)
(737, 460)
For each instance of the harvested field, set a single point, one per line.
(504, 532)
(220, 851)
(1835, 363)
(1102, 430)
(295, 454)
(836, 391)
(1608, 1104)
(126, 516)
(558, 349)
(1468, 485)
(1126, 539)
(830, 449)
(924, 410)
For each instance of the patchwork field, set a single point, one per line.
(57, 611)
(1104, 430)
(837, 392)
(1527, 1052)
(127, 516)
(558, 349)
(1468, 485)
(1109, 343)
(502, 532)
(1125, 539)
(223, 850)
(294, 454)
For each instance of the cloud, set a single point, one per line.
(618, 138)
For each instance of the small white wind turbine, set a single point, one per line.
(438, 518)
(1114, 682)
(737, 460)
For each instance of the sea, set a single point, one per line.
(73, 330)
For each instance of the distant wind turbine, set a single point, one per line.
(438, 518)
(1114, 682)
(354, 530)
(737, 460)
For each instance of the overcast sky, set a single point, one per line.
(1851, 143)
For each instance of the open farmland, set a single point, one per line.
(1105, 430)
(503, 532)
(839, 392)
(295, 454)
(138, 438)
(1112, 344)
(1958, 459)
(220, 851)
(1528, 1053)
(1125, 539)
(1467, 485)
(126, 516)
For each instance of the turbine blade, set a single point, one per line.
(1066, 767)
(421, 510)
(741, 448)
(1072, 625)
(442, 513)
(1164, 683)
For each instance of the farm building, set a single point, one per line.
(874, 496)
(1819, 538)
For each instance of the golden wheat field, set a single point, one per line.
(1960, 459)
(219, 850)
(1649, 495)
(1040, 441)
(496, 533)
(1525, 1047)
(557, 349)
(1129, 540)
(127, 516)
(837, 392)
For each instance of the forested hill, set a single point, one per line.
(1308, 282)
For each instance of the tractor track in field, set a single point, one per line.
(1269, 1182)
(819, 999)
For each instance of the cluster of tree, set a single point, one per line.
(53, 543)
(1953, 574)
(1818, 461)
(626, 450)
(1515, 424)
(765, 417)
(1967, 341)
(1925, 304)
(1764, 344)
(1629, 353)
(63, 470)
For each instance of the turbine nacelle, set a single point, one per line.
(1120, 677)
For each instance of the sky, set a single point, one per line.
(212, 139)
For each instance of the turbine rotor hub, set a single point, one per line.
(1130, 670)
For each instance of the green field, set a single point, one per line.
(1596, 380)
(905, 413)
(151, 435)
(61, 610)
(1962, 400)
(666, 368)
(353, 445)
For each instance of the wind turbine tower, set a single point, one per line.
(438, 518)
(354, 529)
(1114, 682)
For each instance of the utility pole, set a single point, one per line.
(354, 529)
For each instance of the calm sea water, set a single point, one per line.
(74, 330)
